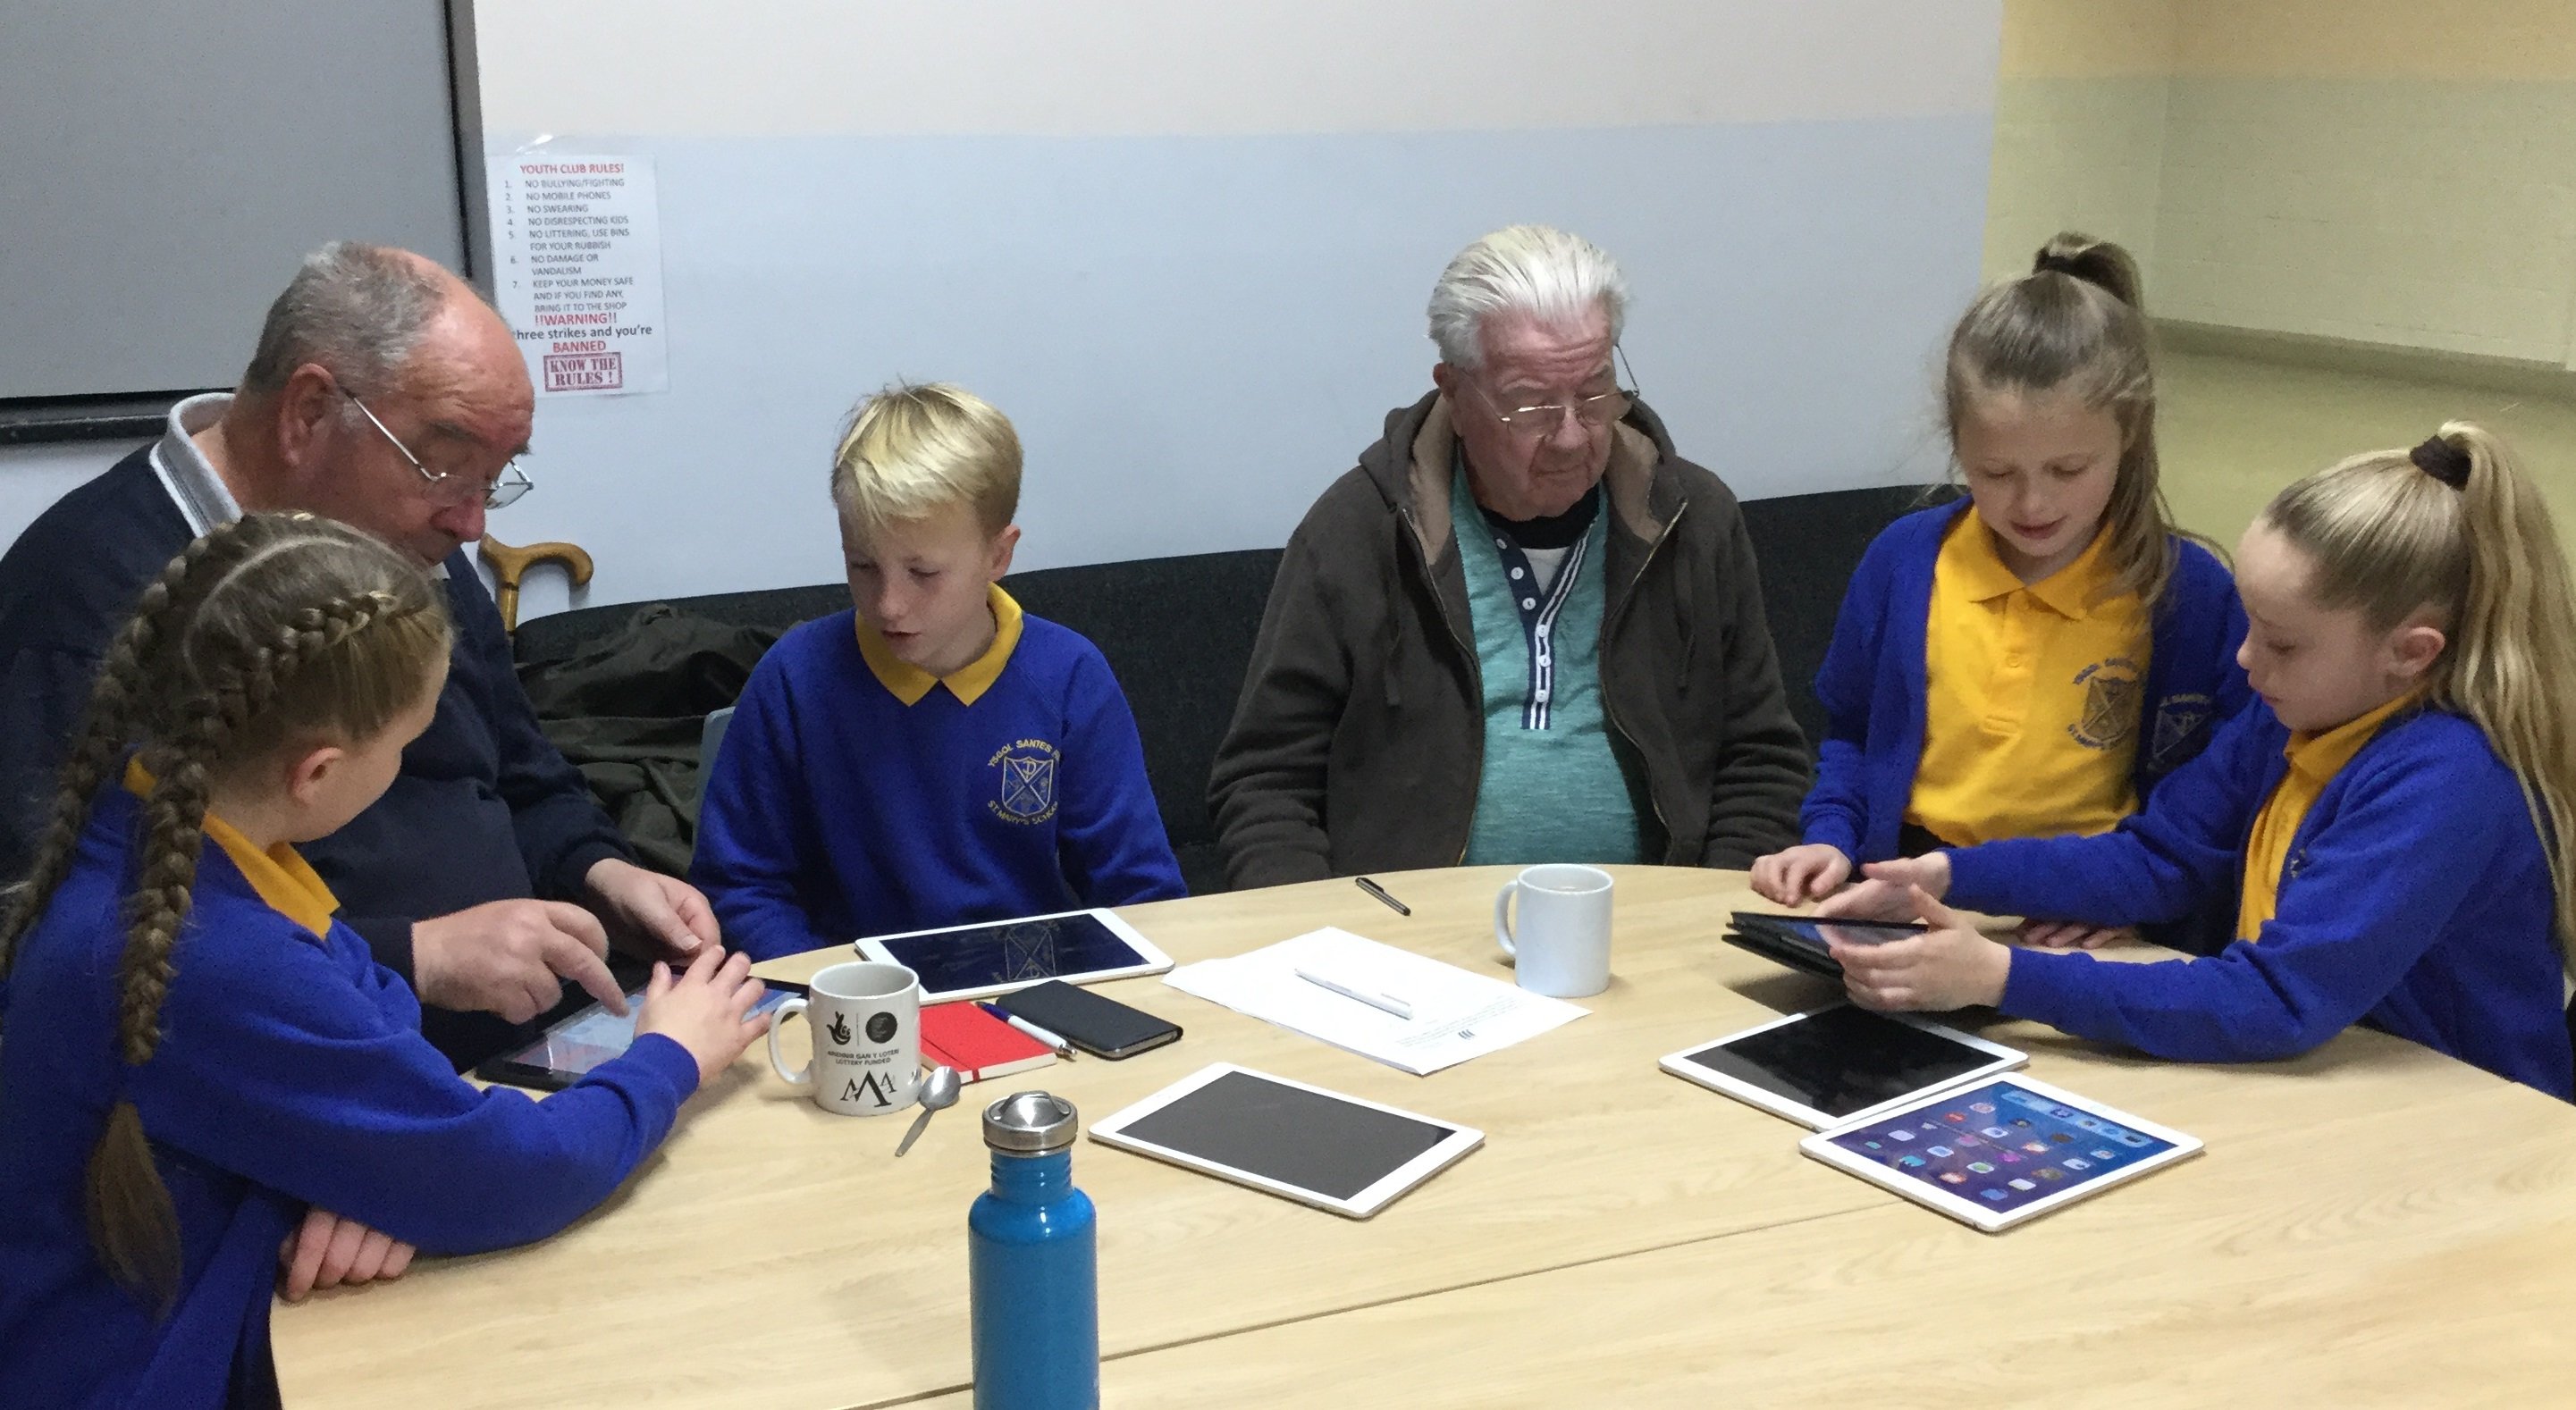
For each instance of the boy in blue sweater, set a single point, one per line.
(2395, 822)
(934, 756)
(202, 1066)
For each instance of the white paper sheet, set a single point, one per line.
(1457, 1014)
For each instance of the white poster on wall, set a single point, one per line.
(577, 253)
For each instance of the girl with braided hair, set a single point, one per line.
(198, 1059)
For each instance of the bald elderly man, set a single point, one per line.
(387, 394)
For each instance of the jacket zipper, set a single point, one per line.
(1475, 776)
(1609, 710)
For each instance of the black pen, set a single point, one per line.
(1379, 892)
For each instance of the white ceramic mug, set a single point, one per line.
(1562, 944)
(866, 1021)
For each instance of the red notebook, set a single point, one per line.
(977, 1044)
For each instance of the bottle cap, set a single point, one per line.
(1030, 1123)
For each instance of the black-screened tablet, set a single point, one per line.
(1321, 1148)
(980, 961)
(1833, 1065)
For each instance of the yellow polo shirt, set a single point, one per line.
(2033, 693)
(2315, 756)
(968, 682)
(280, 875)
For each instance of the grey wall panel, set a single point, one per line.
(163, 163)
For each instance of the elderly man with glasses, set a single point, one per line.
(386, 394)
(1523, 630)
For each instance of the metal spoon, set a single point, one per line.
(938, 1091)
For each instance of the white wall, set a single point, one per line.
(2381, 171)
(1187, 246)
(2079, 126)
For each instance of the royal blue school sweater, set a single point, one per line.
(2416, 897)
(836, 811)
(1872, 684)
(290, 1073)
(485, 808)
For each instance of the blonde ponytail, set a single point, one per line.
(2077, 322)
(2455, 525)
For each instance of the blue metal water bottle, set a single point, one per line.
(1032, 1272)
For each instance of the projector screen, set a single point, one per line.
(167, 162)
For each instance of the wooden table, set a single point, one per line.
(2372, 1223)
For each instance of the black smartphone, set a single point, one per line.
(1101, 1027)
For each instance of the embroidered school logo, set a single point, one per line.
(2180, 719)
(1026, 770)
(2111, 694)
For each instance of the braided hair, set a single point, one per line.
(273, 633)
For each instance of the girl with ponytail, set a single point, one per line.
(2394, 826)
(199, 1059)
(2034, 660)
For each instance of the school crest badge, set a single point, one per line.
(2111, 699)
(1025, 777)
(2181, 722)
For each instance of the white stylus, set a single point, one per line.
(1384, 1003)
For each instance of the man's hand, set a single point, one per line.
(1949, 966)
(511, 957)
(1888, 893)
(666, 914)
(328, 1251)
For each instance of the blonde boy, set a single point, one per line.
(933, 756)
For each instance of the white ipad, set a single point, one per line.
(996, 957)
(1832, 1066)
(1997, 1154)
(1285, 1138)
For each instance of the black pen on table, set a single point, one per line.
(1379, 892)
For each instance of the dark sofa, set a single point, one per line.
(1178, 632)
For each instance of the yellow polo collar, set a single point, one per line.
(910, 683)
(280, 875)
(2321, 754)
(2069, 592)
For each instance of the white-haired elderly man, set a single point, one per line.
(1523, 630)
(386, 394)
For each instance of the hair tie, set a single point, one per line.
(2051, 262)
(2443, 461)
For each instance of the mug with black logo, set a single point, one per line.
(866, 1021)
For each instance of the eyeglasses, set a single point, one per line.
(449, 490)
(1594, 412)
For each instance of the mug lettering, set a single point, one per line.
(867, 1087)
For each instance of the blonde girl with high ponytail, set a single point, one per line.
(199, 1060)
(2395, 823)
(2038, 657)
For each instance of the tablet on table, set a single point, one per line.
(573, 1045)
(2001, 1153)
(996, 957)
(1831, 1066)
(1308, 1144)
